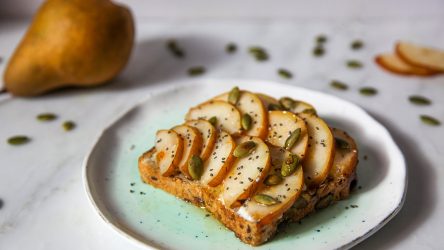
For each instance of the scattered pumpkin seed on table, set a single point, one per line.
(357, 44)
(368, 91)
(174, 48)
(231, 48)
(46, 117)
(285, 73)
(196, 71)
(429, 120)
(321, 38)
(259, 53)
(68, 125)
(419, 100)
(18, 140)
(338, 85)
(318, 51)
(354, 64)
(265, 200)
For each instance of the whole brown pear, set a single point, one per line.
(71, 43)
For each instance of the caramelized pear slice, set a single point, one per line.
(208, 134)
(192, 144)
(169, 148)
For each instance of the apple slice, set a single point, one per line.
(281, 126)
(169, 148)
(217, 165)
(394, 64)
(420, 56)
(249, 104)
(346, 155)
(192, 143)
(320, 150)
(245, 173)
(208, 134)
(285, 192)
(227, 116)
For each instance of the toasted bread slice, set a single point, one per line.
(394, 64)
(192, 144)
(420, 56)
(208, 134)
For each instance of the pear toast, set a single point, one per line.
(252, 183)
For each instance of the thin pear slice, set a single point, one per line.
(208, 134)
(281, 126)
(394, 64)
(320, 150)
(192, 143)
(268, 101)
(250, 104)
(302, 107)
(217, 165)
(227, 116)
(169, 148)
(286, 192)
(346, 155)
(420, 56)
(245, 173)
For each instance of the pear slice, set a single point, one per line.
(320, 150)
(245, 173)
(421, 56)
(302, 107)
(251, 104)
(208, 134)
(268, 101)
(286, 192)
(192, 144)
(169, 148)
(281, 126)
(227, 116)
(346, 155)
(394, 64)
(217, 165)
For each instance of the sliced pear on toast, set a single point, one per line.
(394, 64)
(169, 148)
(284, 192)
(246, 172)
(269, 102)
(420, 56)
(346, 155)
(208, 133)
(221, 157)
(227, 116)
(296, 106)
(320, 150)
(251, 105)
(192, 144)
(282, 125)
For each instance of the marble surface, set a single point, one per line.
(44, 204)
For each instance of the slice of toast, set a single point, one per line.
(337, 186)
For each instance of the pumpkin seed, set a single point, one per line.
(357, 44)
(244, 149)
(309, 111)
(342, 144)
(354, 64)
(338, 85)
(289, 165)
(68, 125)
(231, 48)
(318, 51)
(324, 202)
(46, 117)
(258, 53)
(18, 140)
(246, 121)
(174, 48)
(292, 139)
(321, 39)
(285, 73)
(300, 203)
(195, 167)
(233, 96)
(265, 200)
(213, 120)
(274, 106)
(430, 120)
(273, 179)
(368, 91)
(195, 71)
(419, 100)
(287, 103)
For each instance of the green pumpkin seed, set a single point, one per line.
(357, 44)
(246, 121)
(318, 51)
(338, 85)
(300, 203)
(195, 167)
(309, 111)
(213, 120)
(46, 117)
(354, 64)
(287, 103)
(342, 144)
(231, 48)
(195, 71)
(244, 149)
(419, 100)
(285, 73)
(68, 125)
(258, 53)
(325, 202)
(368, 91)
(234, 95)
(265, 200)
(289, 165)
(274, 106)
(430, 120)
(174, 48)
(273, 179)
(18, 140)
(321, 39)
(292, 139)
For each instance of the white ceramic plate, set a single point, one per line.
(155, 219)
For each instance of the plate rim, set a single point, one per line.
(171, 86)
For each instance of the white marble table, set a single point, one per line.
(45, 206)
